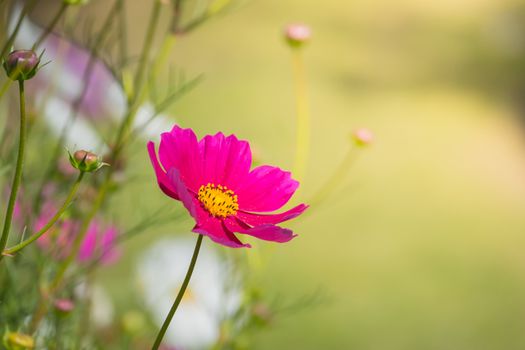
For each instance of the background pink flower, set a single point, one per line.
(99, 242)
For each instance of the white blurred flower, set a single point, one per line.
(212, 296)
(102, 311)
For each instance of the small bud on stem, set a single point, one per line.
(297, 35)
(362, 137)
(64, 306)
(21, 64)
(86, 161)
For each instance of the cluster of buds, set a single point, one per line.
(21, 64)
(85, 161)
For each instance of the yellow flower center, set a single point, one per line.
(218, 200)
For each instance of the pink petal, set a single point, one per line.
(189, 201)
(89, 244)
(227, 160)
(162, 178)
(266, 188)
(261, 219)
(109, 252)
(219, 233)
(266, 232)
(179, 149)
(206, 224)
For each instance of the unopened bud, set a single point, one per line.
(297, 35)
(64, 306)
(362, 137)
(85, 161)
(18, 341)
(21, 64)
(262, 314)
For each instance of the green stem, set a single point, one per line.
(123, 33)
(51, 25)
(162, 57)
(138, 82)
(51, 222)
(77, 243)
(335, 180)
(178, 299)
(303, 116)
(18, 171)
(146, 48)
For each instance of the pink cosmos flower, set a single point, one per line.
(212, 178)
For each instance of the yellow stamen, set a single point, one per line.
(218, 200)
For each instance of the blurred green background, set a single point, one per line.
(422, 248)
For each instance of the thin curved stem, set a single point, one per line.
(77, 243)
(178, 299)
(335, 180)
(51, 25)
(303, 116)
(51, 222)
(18, 170)
(138, 82)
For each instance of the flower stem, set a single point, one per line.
(335, 180)
(162, 57)
(18, 170)
(51, 222)
(303, 116)
(178, 299)
(51, 25)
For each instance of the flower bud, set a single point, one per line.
(18, 341)
(297, 34)
(262, 314)
(85, 161)
(21, 64)
(64, 306)
(362, 137)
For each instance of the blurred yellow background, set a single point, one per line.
(422, 248)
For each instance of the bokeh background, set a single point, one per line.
(422, 245)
